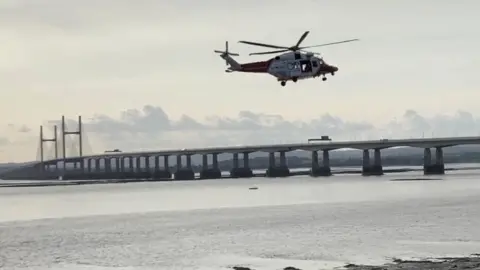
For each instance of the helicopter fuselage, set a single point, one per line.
(289, 66)
(295, 63)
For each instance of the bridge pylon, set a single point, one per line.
(44, 140)
(78, 133)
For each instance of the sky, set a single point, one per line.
(143, 74)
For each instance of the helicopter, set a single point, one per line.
(294, 64)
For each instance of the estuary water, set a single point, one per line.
(309, 223)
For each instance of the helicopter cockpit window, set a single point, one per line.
(314, 63)
(306, 66)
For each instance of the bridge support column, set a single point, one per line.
(89, 166)
(318, 170)
(156, 163)
(130, 165)
(130, 172)
(107, 161)
(241, 172)
(235, 160)
(366, 162)
(88, 174)
(97, 170)
(184, 173)
(122, 171)
(117, 173)
(213, 172)
(166, 165)
(438, 167)
(278, 171)
(161, 173)
(147, 172)
(377, 168)
(142, 167)
(368, 169)
(138, 166)
(122, 165)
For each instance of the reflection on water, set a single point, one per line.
(298, 220)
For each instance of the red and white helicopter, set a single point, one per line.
(296, 64)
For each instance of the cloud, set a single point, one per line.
(4, 141)
(151, 128)
(19, 128)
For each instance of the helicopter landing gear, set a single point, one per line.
(324, 78)
(283, 83)
(333, 73)
(294, 79)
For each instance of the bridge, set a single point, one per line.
(148, 165)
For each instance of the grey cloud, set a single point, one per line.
(19, 128)
(4, 141)
(24, 129)
(151, 127)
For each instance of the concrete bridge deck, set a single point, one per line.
(146, 165)
(326, 145)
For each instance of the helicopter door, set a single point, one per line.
(306, 66)
(295, 68)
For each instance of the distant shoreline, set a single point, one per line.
(470, 262)
(459, 263)
(304, 172)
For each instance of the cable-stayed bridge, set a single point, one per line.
(63, 140)
(64, 151)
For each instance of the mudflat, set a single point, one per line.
(472, 262)
(458, 263)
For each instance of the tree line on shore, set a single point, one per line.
(258, 163)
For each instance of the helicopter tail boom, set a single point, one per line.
(226, 55)
(234, 65)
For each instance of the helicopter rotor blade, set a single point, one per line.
(327, 44)
(301, 39)
(226, 52)
(263, 45)
(269, 52)
(314, 53)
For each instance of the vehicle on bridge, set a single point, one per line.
(113, 151)
(293, 65)
(322, 138)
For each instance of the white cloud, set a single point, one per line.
(152, 128)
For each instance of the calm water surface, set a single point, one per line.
(314, 223)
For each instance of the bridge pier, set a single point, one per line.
(127, 172)
(278, 171)
(368, 169)
(318, 170)
(123, 171)
(131, 167)
(184, 173)
(161, 173)
(207, 172)
(241, 172)
(117, 173)
(433, 169)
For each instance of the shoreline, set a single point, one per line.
(442, 263)
(50, 183)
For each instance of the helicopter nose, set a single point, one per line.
(334, 68)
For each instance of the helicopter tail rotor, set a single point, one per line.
(226, 52)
